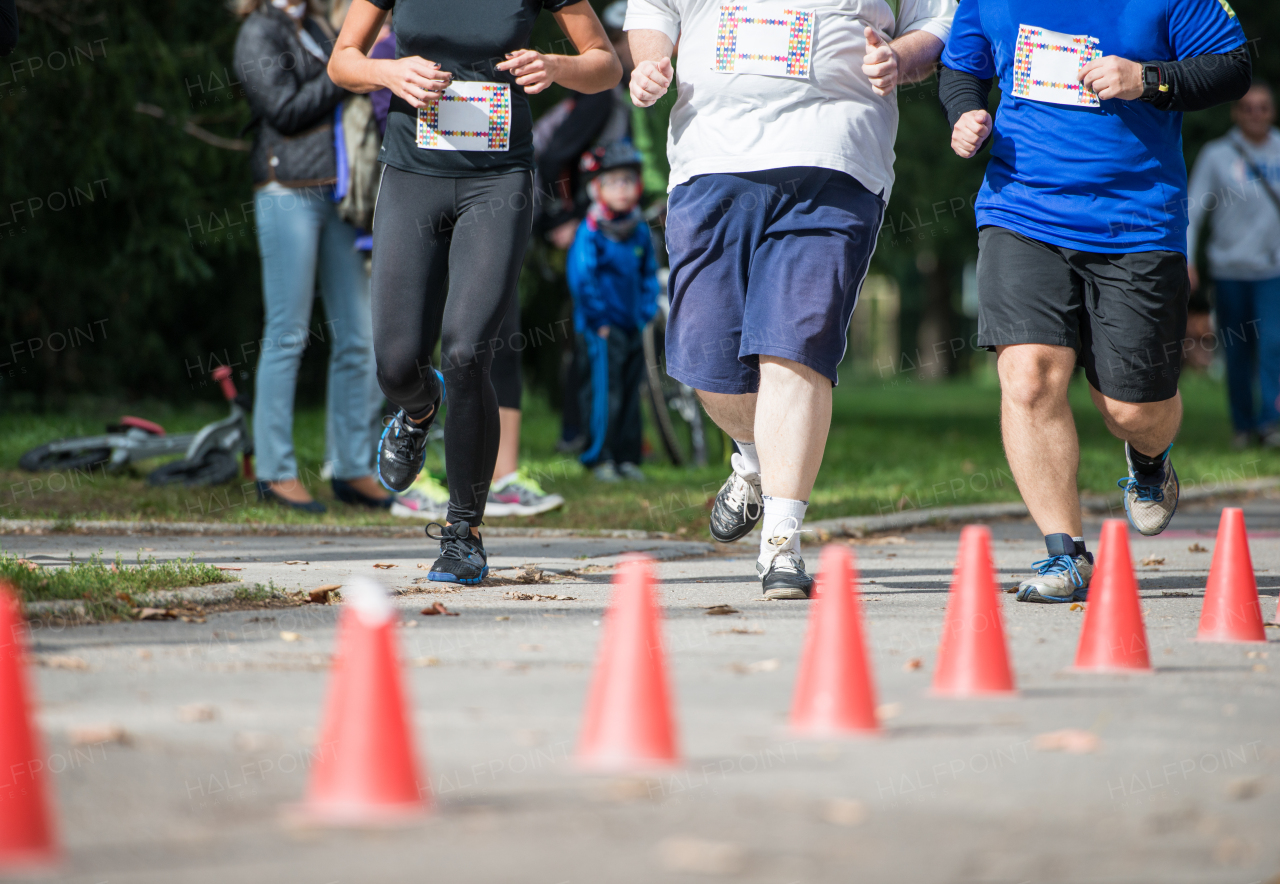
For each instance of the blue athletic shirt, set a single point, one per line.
(1106, 179)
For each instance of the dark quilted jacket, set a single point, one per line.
(292, 99)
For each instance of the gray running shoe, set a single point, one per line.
(1058, 579)
(1150, 507)
(631, 472)
(739, 503)
(606, 472)
(781, 568)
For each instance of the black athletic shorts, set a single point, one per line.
(1125, 315)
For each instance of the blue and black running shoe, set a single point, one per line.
(402, 449)
(462, 556)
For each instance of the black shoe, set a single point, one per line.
(402, 449)
(313, 506)
(739, 504)
(785, 577)
(462, 557)
(348, 493)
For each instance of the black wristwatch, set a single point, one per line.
(1153, 84)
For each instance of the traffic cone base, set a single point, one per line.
(835, 694)
(27, 840)
(1231, 611)
(973, 658)
(1113, 637)
(365, 772)
(628, 723)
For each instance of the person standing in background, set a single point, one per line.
(300, 237)
(1236, 183)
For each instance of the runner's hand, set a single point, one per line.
(416, 80)
(649, 81)
(971, 133)
(1114, 77)
(532, 70)
(880, 64)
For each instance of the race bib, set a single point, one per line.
(1047, 65)
(470, 116)
(759, 40)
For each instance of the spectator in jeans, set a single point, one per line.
(282, 51)
(1236, 183)
(613, 275)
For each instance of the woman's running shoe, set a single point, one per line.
(427, 498)
(402, 449)
(462, 557)
(519, 494)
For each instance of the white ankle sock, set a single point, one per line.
(749, 457)
(781, 515)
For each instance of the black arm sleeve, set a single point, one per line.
(1201, 82)
(8, 26)
(961, 92)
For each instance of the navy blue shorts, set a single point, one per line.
(765, 264)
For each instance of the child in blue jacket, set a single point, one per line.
(613, 275)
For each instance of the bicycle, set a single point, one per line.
(209, 455)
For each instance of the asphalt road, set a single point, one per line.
(176, 744)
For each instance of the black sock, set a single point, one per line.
(1063, 545)
(1145, 467)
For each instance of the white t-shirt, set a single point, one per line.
(748, 122)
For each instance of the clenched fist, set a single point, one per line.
(971, 132)
(880, 64)
(650, 80)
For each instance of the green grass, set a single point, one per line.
(895, 443)
(98, 582)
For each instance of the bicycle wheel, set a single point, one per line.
(217, 466)
(44, 459)
(655, 391)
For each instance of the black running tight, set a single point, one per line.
(446, 260)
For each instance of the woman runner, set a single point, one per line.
(452, 220)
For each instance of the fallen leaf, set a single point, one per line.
(425, 661)
(886, 711)
(194, 712)
(1070, 740)
(531, 647)
(438, 608)
(144, 654)
(290, 637)
(703, 857)
(155, 613)
(296, 562)
(384, 565)
(1255, 654)
(537, 597)
(1196, 547)
(92, 734)
(1076, 606)
(759, 666)
(227, 568)
(1153, 560)
(320, 595)
(913, 664)
(739, 630)
(844, 811)
(1175, 594)
(1259, 667)
(504, 617)
(62, 661)
(1244, 788)
(721, 610)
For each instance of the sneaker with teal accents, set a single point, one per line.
(519, 494)
(1058, 579)
(427, 498)
(1150, 501)
(462, 556)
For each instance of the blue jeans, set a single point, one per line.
(1249, 328)
(301, 236)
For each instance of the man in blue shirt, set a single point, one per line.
(1082, 242)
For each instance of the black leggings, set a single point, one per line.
(446, 259)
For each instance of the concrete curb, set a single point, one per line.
(232, 529)
(862, 525)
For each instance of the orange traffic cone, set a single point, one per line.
(628, 722)
(26, 823)
(973, 658)
(835, 693)
(366, 773)
(1113, 638)
(1231, 611)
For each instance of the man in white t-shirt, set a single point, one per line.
(781, 150)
